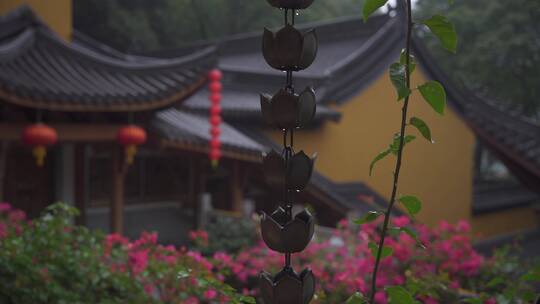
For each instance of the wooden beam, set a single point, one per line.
(117, 200)
(66, 132)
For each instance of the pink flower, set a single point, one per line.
(430, 300)
(210, 294)
(4, 207)
(380, 298)
(138, 260)
(490, 301)
(149, 289)
(463, 227)
(17, 216)
(401, 221)
(3, 230)
(455, 285)
(191, 300)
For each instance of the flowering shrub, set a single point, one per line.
(50, 260)
(447, 269)
(224, 233)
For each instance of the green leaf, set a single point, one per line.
(473, 301)
(399, 295)
(412, 60)
(411, 203)
(397, 76)
(433, 92)
(413, 235)
(385, 252)
(370, 6)
(368, 217)
(422, 127)
(531, 277)
(495, 282)
(356, 298)
(377, 158)
(394, 147)
(444, 30)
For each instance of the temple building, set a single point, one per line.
(483, 167)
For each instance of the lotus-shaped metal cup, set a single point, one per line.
(285, 235)
(289, 49)
(287, 110)
(287, 287)
(294, 174)
(291, 4)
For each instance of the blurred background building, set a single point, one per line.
(120, 65)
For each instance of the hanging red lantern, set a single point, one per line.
(215, 132)
(39, 136)
(215, 144)
(130, 137)
(215, 75)
(215, 87)
(215, 98)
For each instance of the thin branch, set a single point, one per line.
(399, 155)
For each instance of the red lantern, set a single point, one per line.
(215, 110)
(215, 144)
(215, 98)
(215, 115)
(215, 132)
(130, 137)
(39, 136)
(215, 120)
(215, 75)
(216, 87)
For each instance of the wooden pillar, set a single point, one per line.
(191, 182)
(4, 150)
(199, 176)
(80, 182)
(117, 200)
(236, 188)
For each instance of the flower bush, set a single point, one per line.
(224, 233)
(446, 270)
(50, 260)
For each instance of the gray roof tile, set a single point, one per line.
(38, 69)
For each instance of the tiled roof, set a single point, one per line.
(351, 54)
(242, 105)
(40, 70)
(191, 131)
(494, 196)
(512, 138)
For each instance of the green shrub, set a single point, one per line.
(50, 260)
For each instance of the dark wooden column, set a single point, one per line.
(236, 187)
(117, 200)
(4, 149)
(198, 175)
(80, 182)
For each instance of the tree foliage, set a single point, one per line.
(499, 48)
(138, 26)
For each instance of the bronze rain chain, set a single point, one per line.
(287, 172)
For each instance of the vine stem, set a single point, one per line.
(399, 154)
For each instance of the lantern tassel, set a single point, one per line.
(39, 153)
(215, 163)
(130, 151)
